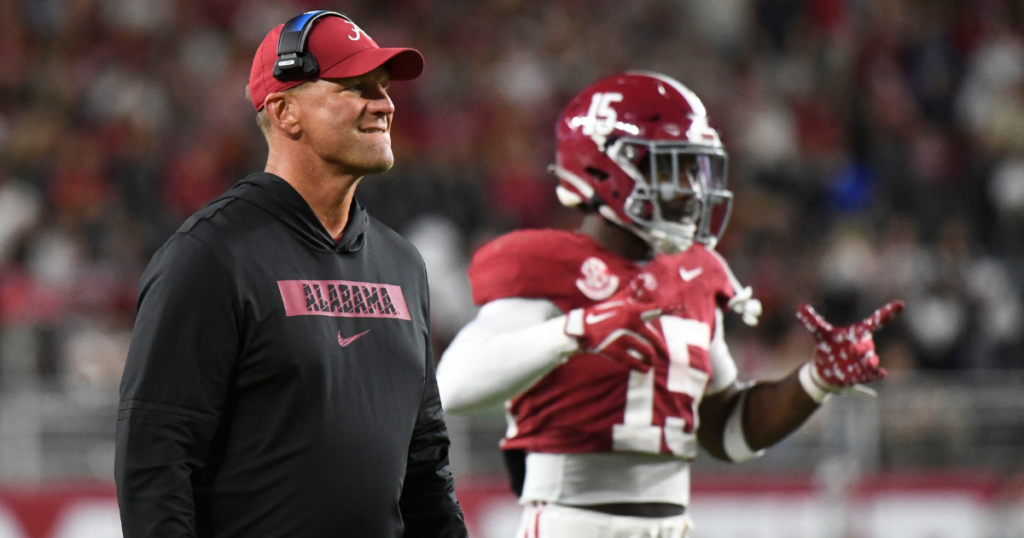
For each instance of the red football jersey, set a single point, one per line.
(591, 403)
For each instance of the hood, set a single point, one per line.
(277, 197)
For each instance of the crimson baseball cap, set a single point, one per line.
(341, 48)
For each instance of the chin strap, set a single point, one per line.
(666, 242)
(660, 240)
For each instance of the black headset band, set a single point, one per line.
(296, 31)
(293, 61)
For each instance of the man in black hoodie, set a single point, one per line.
(280, 380)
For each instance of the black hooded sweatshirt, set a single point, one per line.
(281, 384)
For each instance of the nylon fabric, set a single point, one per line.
(242, 417)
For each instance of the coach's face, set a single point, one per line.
(347, 121)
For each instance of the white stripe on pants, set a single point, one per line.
(541, 520)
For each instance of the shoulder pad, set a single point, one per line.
(731, 286)
(698, 268)
(533, 264)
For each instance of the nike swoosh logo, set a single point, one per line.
(691, 274)
(346, 341)
(598, 318)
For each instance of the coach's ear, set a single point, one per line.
(282, 111)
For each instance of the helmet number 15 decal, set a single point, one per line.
(601, 117)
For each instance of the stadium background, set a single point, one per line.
(876, 151)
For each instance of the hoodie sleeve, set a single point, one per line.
(428, 504)
(174, 386)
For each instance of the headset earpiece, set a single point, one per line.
(296, 66)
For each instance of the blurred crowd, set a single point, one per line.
(876, 151)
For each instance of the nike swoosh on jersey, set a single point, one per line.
(598, 318)
(691, 274)
(346, 341)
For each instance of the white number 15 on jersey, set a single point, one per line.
(637, 433)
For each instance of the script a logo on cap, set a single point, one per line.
(356, 31)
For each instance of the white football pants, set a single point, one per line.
(542, 520)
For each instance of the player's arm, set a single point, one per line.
(721, 395)
(511, 344)
(771, 411)
(740, 422)
(514, 342)
(176, 377)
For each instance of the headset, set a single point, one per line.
(293, 62)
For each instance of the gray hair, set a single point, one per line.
(262, 120)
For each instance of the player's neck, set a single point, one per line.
(615, 238)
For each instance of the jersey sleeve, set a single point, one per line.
(529, 264)
(176, 379)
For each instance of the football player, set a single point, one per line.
(606, 344)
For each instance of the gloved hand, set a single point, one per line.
(620, 328)
(844, 356)
(747, 306)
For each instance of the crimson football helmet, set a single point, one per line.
(638, 149)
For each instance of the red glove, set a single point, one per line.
(620, 329)
(844, 356)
